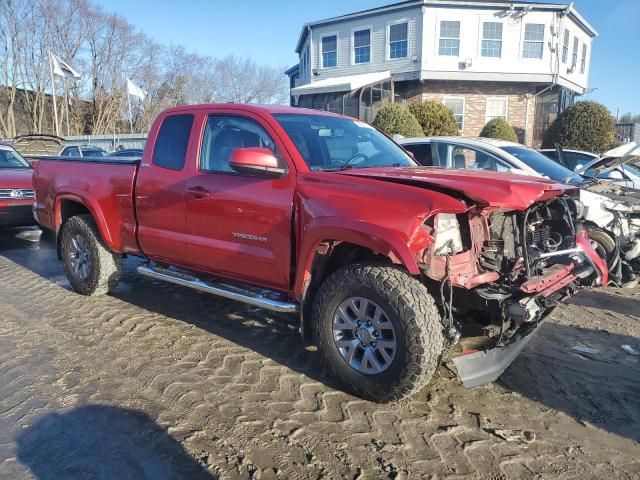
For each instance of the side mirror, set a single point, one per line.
(257, 161)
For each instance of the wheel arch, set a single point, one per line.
(69, 204)
(327, 249)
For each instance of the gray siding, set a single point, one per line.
(379, 62)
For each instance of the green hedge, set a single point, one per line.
(434, 118)
(499, 128)
(394, 119)
(583, 126)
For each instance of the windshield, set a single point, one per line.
(543, 165)
(12, 159)
(334, 143)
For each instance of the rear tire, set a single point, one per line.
(367, 308)
(92, 269)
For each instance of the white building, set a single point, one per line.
(523, 61)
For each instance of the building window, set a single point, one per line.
(362, 46)
(533, 45)
(496, 108)
(565, 46)
(399, 40)
(449, 39)
(583, 62)
(491, 39)
(456, 105)
(330, 51)
(574, 58)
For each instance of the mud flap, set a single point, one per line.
(480, 368)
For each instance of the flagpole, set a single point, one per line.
(130, 116)
(53, 94)
(66, 102)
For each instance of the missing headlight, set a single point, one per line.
(447, 235)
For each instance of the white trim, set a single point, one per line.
(320, 58)
(387, 39)
(523, 29)
(481, 21)
(496, 97)
(566, 31)
(575, 54)
(464, 107)
(353, 44)
(439, 21)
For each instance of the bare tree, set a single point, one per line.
(107, 49)
(241, 80)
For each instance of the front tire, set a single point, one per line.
(378, 330)
(92, 269)
(604, 245)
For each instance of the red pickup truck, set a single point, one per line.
(307, 212)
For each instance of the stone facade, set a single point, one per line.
(475, 96)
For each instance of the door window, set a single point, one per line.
(225, 133)
(421, 153)
(457, 156)
(171, 145)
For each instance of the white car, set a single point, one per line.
(616, 165)
(612, 212)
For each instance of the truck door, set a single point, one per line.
(239, 226)
(160, 187)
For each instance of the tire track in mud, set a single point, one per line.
(237, 390)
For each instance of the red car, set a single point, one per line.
(16, 189)
(307, 212)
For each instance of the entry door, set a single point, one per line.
(160, 206)
(239, 226)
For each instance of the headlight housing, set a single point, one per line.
(447, 235)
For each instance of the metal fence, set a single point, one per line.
(109, 142)
(628, 132)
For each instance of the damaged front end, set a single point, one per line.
(616, 210)
(504, 271)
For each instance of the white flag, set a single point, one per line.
(136, 91)
(63, 69)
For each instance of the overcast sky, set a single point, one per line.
(268, 31)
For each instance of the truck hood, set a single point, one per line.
(16, 178)
(502, 190)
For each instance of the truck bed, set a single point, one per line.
(110, 182)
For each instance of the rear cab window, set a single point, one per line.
(173, 139)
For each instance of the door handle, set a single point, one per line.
(198, 193)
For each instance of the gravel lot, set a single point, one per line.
(157, 381)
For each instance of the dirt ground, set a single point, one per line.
(158, 381)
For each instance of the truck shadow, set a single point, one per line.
(98, 441)
(599, 386)
(602, 389)
(610, 300)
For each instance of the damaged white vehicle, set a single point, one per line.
(611, 211)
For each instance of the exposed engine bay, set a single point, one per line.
(616, 209)
(510, 267)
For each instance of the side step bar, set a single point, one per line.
(222, 290)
